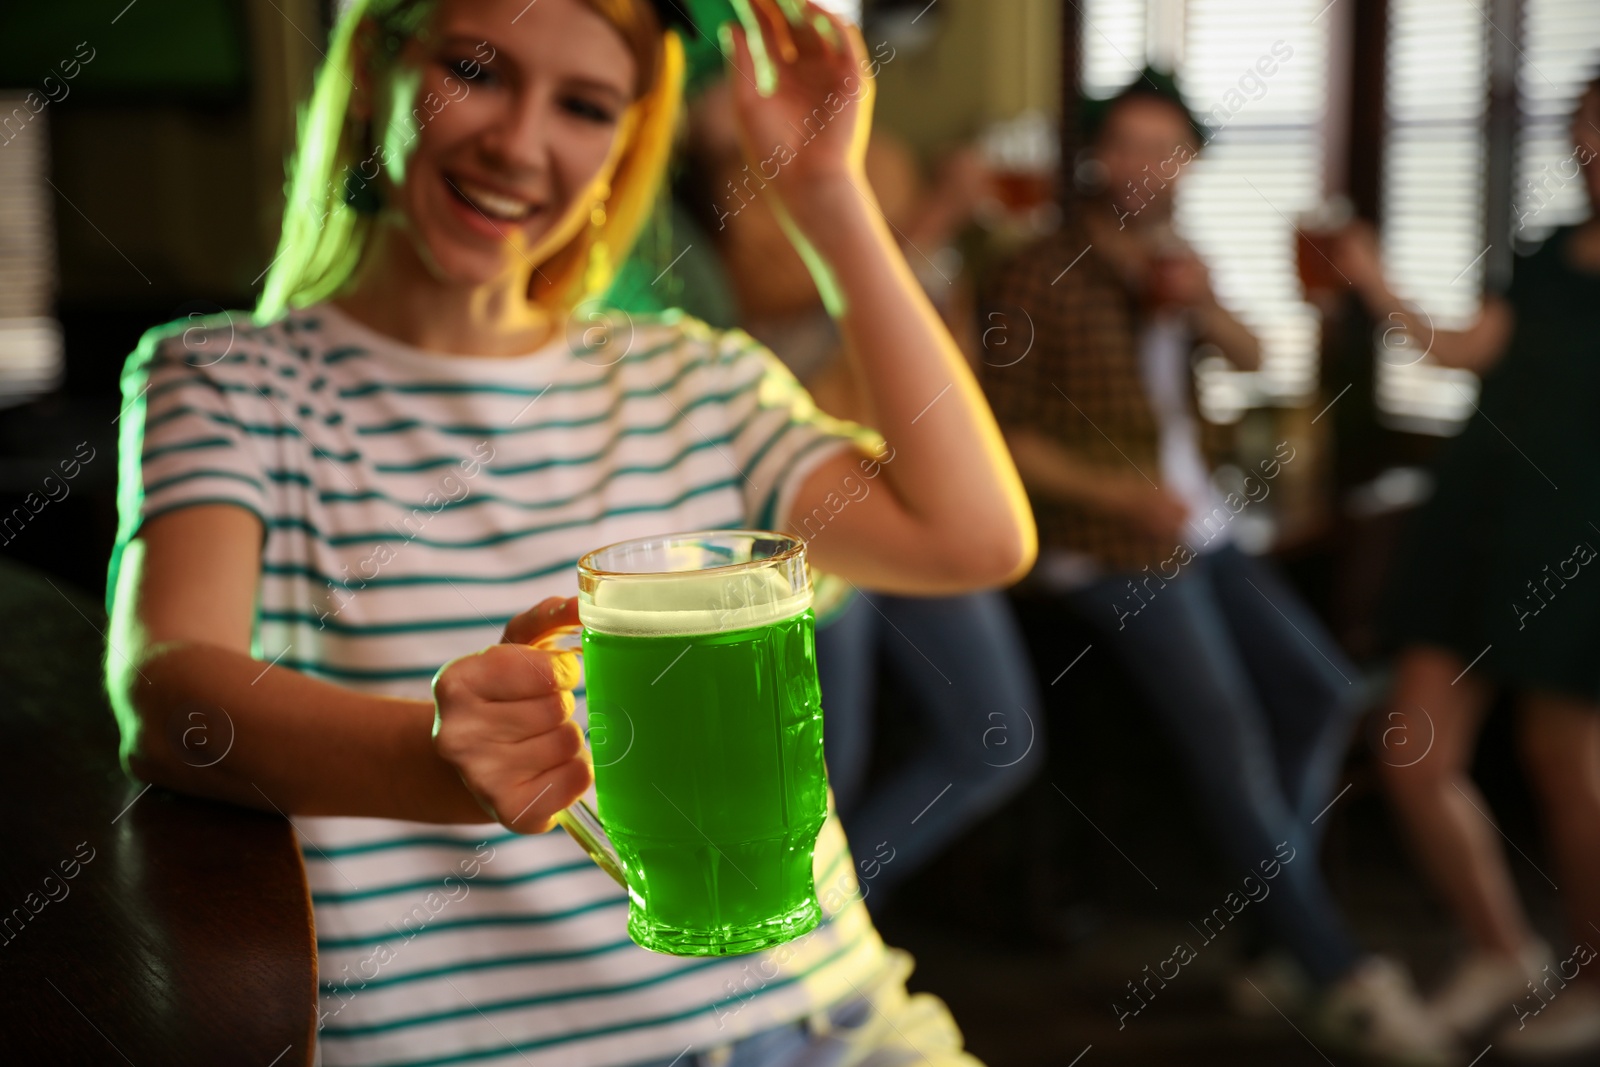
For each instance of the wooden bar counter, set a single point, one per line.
(136, 926)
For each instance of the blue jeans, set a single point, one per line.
(963, 665)
(1258, 702)
(881, 1025)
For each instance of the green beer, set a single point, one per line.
(705, 723)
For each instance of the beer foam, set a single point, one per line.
(693, 602)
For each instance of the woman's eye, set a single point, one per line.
(588, 110)
(472, 71)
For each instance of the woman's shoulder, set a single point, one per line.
(234, 346)
(222, 344)
(690, 338)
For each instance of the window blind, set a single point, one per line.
(1433, 197)
(1560, 52)
(30, 338)
(1113, 36)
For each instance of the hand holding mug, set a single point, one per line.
(705, 733)
(503, 719)
(1176, 277)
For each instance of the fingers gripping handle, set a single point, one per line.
(580, 821)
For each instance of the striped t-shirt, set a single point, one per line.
(413, 503)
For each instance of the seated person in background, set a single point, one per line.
(1253, 694)
(961, 658)
(1478, 601)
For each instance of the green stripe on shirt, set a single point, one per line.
(634, 1025)
(476, 922)
(393, 536)
(437, 884)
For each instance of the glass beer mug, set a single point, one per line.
(705, 725)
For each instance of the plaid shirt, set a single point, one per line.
(1079, 383)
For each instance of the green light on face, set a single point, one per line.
(407, 115)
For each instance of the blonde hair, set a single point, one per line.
(323, 237)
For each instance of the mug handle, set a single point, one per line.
(580, 821)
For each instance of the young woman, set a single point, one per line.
(1490, 592)
(343, 523)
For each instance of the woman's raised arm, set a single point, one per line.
(952, 514)
(1476, 348)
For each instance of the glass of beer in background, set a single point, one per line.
(705, 722)
(1023, 156)
(1315, 234)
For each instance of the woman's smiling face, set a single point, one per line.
(494, 126)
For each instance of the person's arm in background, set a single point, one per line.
(772, 279)
(1053, 314)
(940, 213)
(962, 181)
(924, 222)
(1476, 348)
(179, 661)
(955, 516)
(1219, 326)
(1187, 283)
(1051, 471)
(1155, 263)
(891, 175)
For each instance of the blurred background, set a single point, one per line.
(141, 156)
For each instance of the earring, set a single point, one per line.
(597, 275)
(361, 196)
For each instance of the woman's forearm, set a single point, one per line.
(952, 473)
(214, 722)
(1476, 348)
(1050, 471)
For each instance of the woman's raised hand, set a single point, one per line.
(806, 130)
(503, 719)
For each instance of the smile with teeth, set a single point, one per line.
(493, 204)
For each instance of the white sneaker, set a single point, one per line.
(1566, 1025)
(1269, 984)
(1485, 985)
(1375, 1012)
